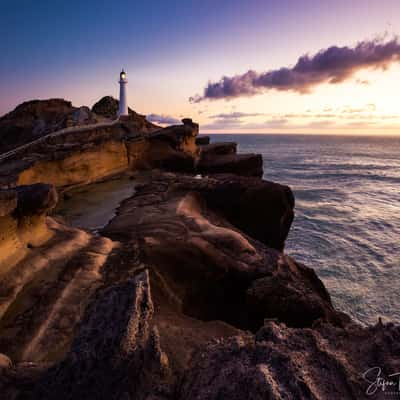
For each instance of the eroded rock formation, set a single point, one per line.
(175, 300)
(222, 158)
(278, 362)
(36, 118)
(22, 220)
(107, 107)
(85, 154)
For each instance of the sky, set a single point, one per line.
(299, 66)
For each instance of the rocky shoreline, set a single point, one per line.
(185, 294)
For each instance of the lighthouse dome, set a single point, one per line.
(122, 75)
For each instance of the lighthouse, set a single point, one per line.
(123, 104)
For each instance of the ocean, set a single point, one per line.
(347, 223)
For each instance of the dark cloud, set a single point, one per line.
(162, 119)
(332, 65)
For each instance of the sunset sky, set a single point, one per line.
(171, 50)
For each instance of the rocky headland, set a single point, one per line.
(186, 293)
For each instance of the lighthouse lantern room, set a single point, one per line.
(123, 103)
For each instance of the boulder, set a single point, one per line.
(217, 149)
(240, 164)
(22, 220)
(202, 140)
(261, 209)
(107, 107)
(180, 137)
(36, 199)
(5, 362)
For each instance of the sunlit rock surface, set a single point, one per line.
(22, 220)
(86, 154)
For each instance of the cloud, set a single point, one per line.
(232, 120)
(333, 65)
(235, 115)
(323, 124)
(276, 123)
(364, 82)
(162, 119)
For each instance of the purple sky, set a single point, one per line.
(173, 50)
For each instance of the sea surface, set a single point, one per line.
(347, 223)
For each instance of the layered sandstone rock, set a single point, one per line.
(172, 148)
(77, 156)
(82, 155)
(222, 157)
(76, 146)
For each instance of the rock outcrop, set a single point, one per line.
(125, 357)
(197, 224)
(76, 146)
(22, 220)
(77, 156)
(82, 155)
(202, 140)
(36, 118)
(222, 158)
(285, 363)
(108, 107)
(179, 298)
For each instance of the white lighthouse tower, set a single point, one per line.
(123, 103)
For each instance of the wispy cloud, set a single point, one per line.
(333, 65)
(162, 119)
(235, 115)
(346, 117)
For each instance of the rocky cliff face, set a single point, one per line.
(83, 154)
(186, 293)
